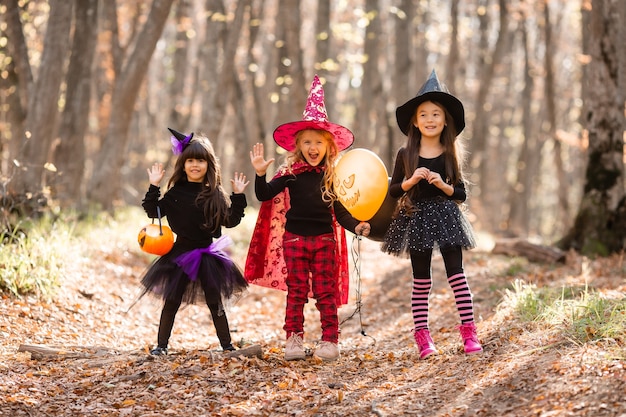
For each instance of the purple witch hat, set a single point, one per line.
(313, 117)
(179, 141)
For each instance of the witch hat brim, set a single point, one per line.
(285, 134)
(313, 117)
(434, 91)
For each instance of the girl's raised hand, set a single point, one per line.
(239, 183)
(155, 174)
(258, 159)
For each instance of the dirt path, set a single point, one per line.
(103, 368)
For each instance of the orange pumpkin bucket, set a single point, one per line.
(156, 239)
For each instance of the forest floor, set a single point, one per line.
(102, 367)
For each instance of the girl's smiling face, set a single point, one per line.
(313, 146)
(430, 119)
(196, 169)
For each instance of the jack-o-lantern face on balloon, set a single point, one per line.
(361, 183)
(343, 188)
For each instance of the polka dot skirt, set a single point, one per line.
(435, 223)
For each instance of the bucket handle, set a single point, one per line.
(159, 216)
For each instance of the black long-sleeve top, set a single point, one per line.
(185, 217)
(308, 214)
(426, 190)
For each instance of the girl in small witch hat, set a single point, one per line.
(428, 176)
(299, 243)
(197, 269)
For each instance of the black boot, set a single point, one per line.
(159, 351)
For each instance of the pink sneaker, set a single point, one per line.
(425, 343)
(470, 340)
(327, 351)
(294, 348)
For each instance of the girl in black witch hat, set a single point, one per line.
(197, 269)
(428, 176)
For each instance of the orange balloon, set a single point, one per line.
(361, 183)
(380, 222)
(155, 239)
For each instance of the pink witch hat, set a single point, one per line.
(313, 117)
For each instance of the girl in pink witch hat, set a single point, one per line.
(299, 242)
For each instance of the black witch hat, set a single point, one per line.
(432, 90)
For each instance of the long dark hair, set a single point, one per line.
(213, 198)
(452, 149)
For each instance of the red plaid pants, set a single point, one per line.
(311, 266)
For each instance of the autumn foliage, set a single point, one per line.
(553, 335)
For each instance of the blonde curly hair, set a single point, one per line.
(332, 151)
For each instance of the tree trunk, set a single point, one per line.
(18, 50)
(324, 64)
(402, 88)
(13, 117)
(292, 87)
(367, 117)
(105, 184)
(529, 158)
(454, 57)
(69, 154)
(259, 114)
(211, 55)
(600, 225)
(261, 83)
(420, 19)
(14, 84)
(480, 133)
(182, 69)
(226, 73)
(551, 110)
(42, 113)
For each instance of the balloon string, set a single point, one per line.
(357, 273)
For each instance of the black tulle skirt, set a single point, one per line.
(205, 275)
(436, 223)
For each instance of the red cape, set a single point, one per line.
(265, 264)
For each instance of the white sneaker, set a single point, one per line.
(327, 351)
(294, 348)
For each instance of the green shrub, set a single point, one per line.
(31, 263)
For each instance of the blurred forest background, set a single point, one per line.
(89, 88)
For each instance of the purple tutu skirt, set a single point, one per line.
(200, 275)
(435, 223)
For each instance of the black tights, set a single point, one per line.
(452, 259)
(220, 321)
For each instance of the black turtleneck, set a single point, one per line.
(308, 214)
(185, 216)
(426, 190)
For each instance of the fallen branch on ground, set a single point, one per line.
(530, 251)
